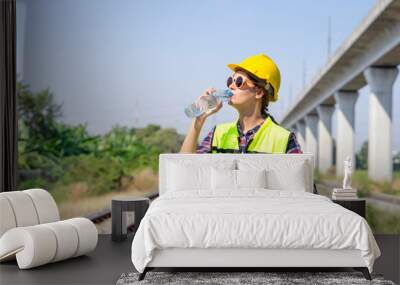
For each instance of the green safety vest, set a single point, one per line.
(269, 138)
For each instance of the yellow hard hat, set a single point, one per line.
(262, 67)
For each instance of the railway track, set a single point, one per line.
(104, 214)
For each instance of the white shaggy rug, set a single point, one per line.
(225, 278)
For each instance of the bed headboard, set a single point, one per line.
(277, 161)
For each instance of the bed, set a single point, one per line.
(247, 210)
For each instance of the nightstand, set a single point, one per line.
(356, 205)
(119, 207)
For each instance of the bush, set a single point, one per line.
(101, 174)
(68, 161)
(382, 221)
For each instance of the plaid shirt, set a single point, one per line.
(205, 146)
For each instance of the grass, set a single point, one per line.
(74, 200)
(380, 220)
(89, 205)
(363, 183)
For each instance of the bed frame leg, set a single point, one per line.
(143, 274)
(364, 271)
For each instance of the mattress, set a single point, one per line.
(251, 219)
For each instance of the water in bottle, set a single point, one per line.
(207, 103)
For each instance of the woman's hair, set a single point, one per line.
(267, 90)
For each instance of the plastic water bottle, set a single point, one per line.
(207, 103)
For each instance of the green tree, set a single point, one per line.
(53, 154)
(42, 139)
(40, 131)
(396, 161)
(146, 132)
(362, 157)
(166, 140)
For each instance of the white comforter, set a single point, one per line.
(250, 219)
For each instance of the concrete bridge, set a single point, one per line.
(369, 56)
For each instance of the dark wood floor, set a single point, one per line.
(102, 266)
(110, 260)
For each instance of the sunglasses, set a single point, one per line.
(239, 81)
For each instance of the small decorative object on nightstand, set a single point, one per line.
(119, 207)
(347, 196)
(348, 169)
(355, 205)
(345, 193)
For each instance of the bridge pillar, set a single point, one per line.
(301, 134)
(325, 141)
(346, 101)
(380, 81)
(293, 128)
(312, 135)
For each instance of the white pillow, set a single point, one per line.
(187, 177)
(193, 175)
(223, 179)
(286, 172)
(227, 179)
(292, 179)
(251, 178)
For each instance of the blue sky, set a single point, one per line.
(138, 62)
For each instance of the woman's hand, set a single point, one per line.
(190, 142)
(204, 116)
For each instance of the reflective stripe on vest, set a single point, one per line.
(270, 138)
